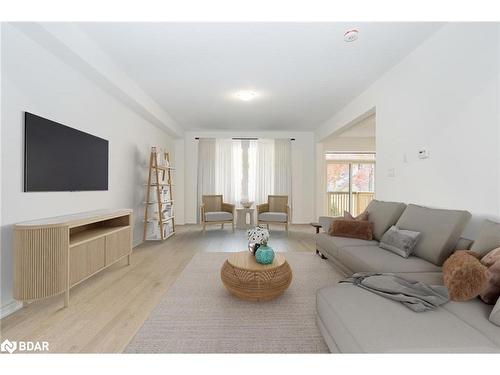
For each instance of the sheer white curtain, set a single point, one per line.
(282, 167)
(206, 169)
(244, 169)
(252, 171)
(228, 169)
(237, 172)
(244, 146)
(264, 180)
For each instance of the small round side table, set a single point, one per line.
(241, 218)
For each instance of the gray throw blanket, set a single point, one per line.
(415, 295)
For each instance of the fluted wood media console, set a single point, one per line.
(53, 255)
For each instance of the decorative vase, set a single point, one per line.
(252, 247)
(264, 255)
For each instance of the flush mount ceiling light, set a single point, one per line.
(351, 35)
(246, 95)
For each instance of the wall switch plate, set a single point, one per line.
(423, 154)
(391, 172)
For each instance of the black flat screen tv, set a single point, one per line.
(60, 158)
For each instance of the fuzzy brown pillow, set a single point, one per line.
(352, 229)
(361, 217)
(492, 291)
(464, 275)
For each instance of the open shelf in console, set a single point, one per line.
(88, 232)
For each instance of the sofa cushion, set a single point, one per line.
(350, 242)
(491, 293)
(218, 216)
(326, 245)
(326, 222)
(495, 314)
(463, 244)
(363, 216)
(488, 238)
(383, 215)
(352, 229)
(374, 259)
(399, 241)
(332, 244)
(464, 275)
(273, 216)
(440, 230)
(476, 314)
(357, 321)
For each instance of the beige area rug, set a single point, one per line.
(198, 315)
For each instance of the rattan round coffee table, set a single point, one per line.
(249, 280)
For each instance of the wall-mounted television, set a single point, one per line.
(60, 158)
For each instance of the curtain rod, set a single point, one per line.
(243, 139)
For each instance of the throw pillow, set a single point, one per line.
(495, 314)
(492, 292)
(488, 238)
(361, 217)
(399, 241)
(352, 229)
(464, 275)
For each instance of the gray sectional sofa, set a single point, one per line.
(352, 319)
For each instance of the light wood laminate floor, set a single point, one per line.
(106, 311)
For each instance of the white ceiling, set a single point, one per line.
(303, 72)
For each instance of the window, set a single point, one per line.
(245, 169)
(350, 182)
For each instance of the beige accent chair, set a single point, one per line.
(215, 211)
(275, 211)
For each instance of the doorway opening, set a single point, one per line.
(348, 166)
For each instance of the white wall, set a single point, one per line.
(442, 97)
(35, 80)
(303, 182)
(71, 44)
(498, 103)
(2, 262)
(349, 144)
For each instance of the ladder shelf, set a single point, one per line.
(159, 222)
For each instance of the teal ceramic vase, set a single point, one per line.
(264, 255)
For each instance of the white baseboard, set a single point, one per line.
(9, 308)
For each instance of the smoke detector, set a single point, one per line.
(351, 35)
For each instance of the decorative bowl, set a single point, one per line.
(246, 204)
